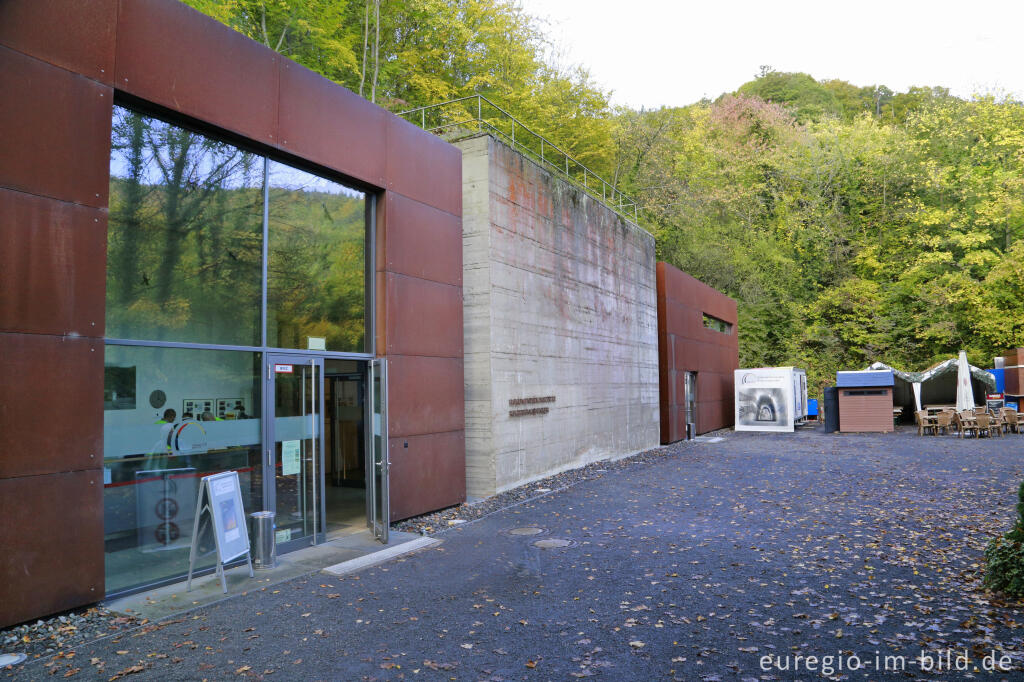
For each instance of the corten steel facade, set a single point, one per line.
(686, 345)
(62, 65)
(1014, 376)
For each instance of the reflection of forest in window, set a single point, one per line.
(185, 244)
(316, 273)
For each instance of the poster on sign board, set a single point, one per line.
(220, 509)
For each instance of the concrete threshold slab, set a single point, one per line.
(170, 600)
(367, 560)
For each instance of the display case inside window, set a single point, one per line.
(155, 454)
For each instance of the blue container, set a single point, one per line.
(1000, 375)
(812, 407)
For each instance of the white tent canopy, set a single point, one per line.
(937, 385)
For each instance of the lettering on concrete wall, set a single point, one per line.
(514, 402)
(531, 401)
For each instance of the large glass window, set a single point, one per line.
(215, 255)
(316, 293)
(196, 412)
(185, 237)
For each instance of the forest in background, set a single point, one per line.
(851, 223)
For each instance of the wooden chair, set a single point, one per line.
(944, 421)
(924, 422)
(997, 422)
(988, 425)
(1010, 422)
(967, 423)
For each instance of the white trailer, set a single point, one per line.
(770, 398)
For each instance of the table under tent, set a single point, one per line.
(935, 386)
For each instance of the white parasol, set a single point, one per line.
(964, 393)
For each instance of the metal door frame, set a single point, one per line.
(269, 445)
(378, 526)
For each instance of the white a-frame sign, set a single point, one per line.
(219, 507)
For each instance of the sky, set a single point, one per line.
(652, 53)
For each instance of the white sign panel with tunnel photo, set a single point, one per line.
(765, 399)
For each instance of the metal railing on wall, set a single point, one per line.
(475, 114)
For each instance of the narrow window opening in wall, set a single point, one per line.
(717, 324)
(866, 392)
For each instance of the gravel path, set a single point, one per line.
(695, 562)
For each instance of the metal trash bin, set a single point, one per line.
(264, 542)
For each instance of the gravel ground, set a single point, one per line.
(71, 629)
(64, 631)
(698, 562)
(435, 522)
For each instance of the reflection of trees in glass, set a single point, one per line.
(316, 272)
(185, 236)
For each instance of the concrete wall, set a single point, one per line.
(686, 345)
(560, 314)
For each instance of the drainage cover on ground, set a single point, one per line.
(528, 530)
(553, 543)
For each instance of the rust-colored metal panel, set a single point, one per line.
(429, 474)
(423, 241)
(423, 167)
(685, 344)
(423, 318)
(77, 35)
(56, 131)
(52, 266)
(51, 404)
(676, 317)
(52, 537)
(172, 55)
(710, 387)
(1014, 381)
(321, 121)
(425, 395)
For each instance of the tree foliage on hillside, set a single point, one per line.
(846, 240)
(852, 223)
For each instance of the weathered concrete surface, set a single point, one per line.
(559, 302)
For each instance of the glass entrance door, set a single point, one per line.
(378, 510)
(294, 428)
(691, 404)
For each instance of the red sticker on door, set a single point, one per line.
(283, 369)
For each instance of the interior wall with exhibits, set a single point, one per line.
(561, 347)
(189, 413)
